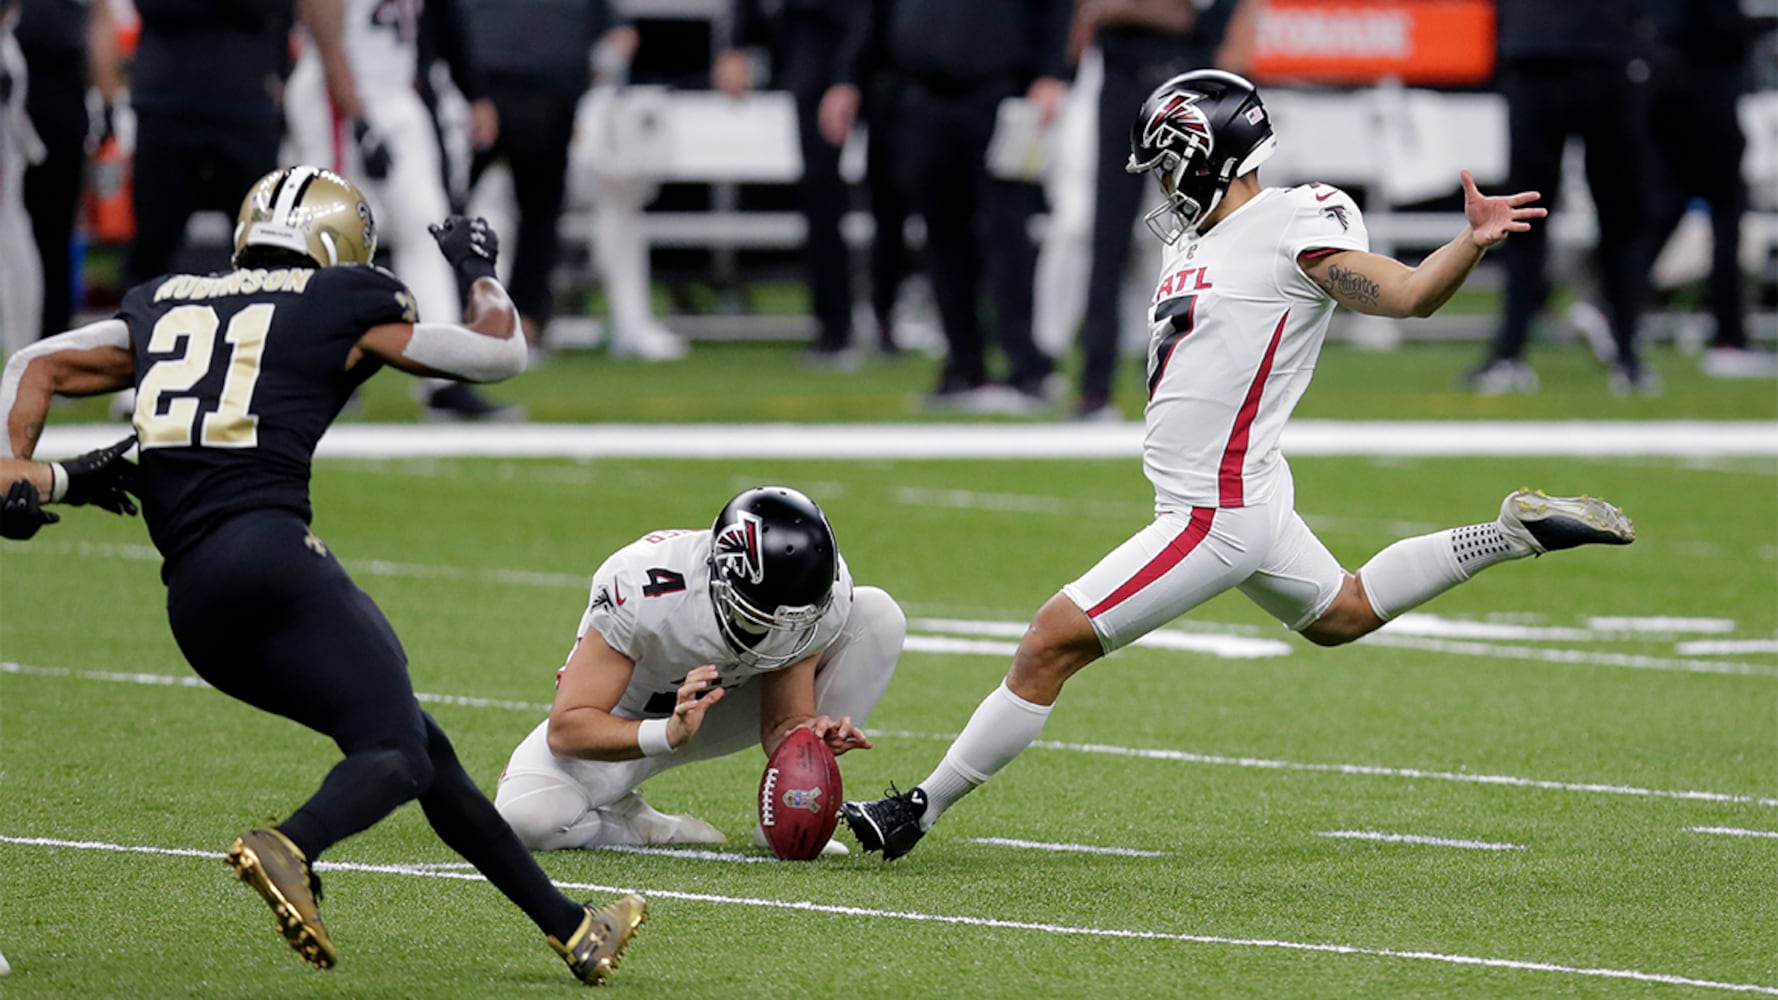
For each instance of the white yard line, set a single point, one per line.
(1716, 647)
(1660, 623)
(915, 916)
(1179, 756)
(1414, 838)
(1634, 661)
(1038, 845)
(1573, 438)
(1733, 831)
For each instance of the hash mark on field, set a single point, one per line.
(805, 906)
(1711, 647)
(1126, 852)
(1414, 838)
(1733, 831)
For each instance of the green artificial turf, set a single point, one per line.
(480, 565)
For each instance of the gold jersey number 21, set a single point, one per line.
(231, 425)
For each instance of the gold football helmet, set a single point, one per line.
(310, 211)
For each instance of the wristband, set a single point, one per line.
(651, 736)
(58, 482)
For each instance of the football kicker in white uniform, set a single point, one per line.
(1240, 311)
(696, 644)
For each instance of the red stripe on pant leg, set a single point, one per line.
(1234, 457)
(1171, 556)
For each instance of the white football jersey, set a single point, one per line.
(383, 43)
(1236, 327)
(651, 601)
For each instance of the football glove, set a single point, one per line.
(98, 477)
(22, 513)
(373, 150)
(469, 244)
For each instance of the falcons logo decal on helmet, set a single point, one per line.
(1183, 117)
(737, 548)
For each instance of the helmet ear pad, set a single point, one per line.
(773, 566)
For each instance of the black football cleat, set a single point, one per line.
(594, 949)
(1549, 524)
(266, 860)
(891, 824)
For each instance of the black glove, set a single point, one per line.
(99, 478)
(22, 512)
(372, 149)
(469, 244)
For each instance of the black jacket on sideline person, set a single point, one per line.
(959, 43)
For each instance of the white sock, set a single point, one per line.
(1415, 570)
(1003, 725)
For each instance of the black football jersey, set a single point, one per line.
(238, 374)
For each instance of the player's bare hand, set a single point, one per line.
(1493, 218)
(838, 112)
(1047, 93)
(840, 735)
(733, 73)
(696, 694)
(484, 125)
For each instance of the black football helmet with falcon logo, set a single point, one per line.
(773, 565)
(1197, 132)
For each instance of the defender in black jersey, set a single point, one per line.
(237, 376)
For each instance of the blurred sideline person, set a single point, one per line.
(1700, 76)
(866, 86)
(959, 61)
(536, 59)
(206, 83)
(618, 198)
(390, 150)
(1576, 68)
(1065, 256)
(70, 46)
(238, 374)
(21, 272)
(1251, 279)
(1142, 43)
(805, 40)
(695, 645)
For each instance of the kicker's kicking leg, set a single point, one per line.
(1413, 571)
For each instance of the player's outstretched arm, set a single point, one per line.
(489, 345)
(85, 362)
(1383, 286)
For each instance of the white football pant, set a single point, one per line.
(1065, 258)
(555, 803)
(21, 273)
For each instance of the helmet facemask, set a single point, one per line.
(769, 623)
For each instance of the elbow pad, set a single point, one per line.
(465, 354)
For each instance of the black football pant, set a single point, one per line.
(536, 127)
(266, 614)
(1118, 196)
(1548, 101)
(185, 164)
(56, 102)
(973, 221)
(1698, 147)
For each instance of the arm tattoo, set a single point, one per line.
(1348, 285)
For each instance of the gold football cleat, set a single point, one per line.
(266, 860)
(595, 948)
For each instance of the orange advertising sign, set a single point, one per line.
(1447, 42)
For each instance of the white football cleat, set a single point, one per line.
(832, 849)
(1548, 524)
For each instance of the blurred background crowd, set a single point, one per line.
(892, 178)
